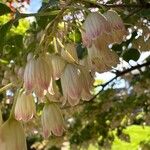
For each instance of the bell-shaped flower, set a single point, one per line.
(69, 53)
(86, 82)
(118, 28)
(71, 84)
(52, 120)
(96, 28)
(58, 64)
(25, 107)
(38, 76)
(12, 136)
(103, 60)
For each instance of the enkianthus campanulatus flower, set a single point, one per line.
(38, 76)
(52, 120)
(97, 34)
(116, 23)
(25, 107)
(12, 136)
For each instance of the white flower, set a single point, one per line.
(38, 76)
(96, 28)
(58, 64)
(118, 28)
(25, 107)
(52, 120)
(12, 136)
(103, 60)
(71, 85)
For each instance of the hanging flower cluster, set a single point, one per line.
(75, 75)
(99, 31)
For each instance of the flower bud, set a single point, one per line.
(25, 107)
(7, 74)
(12, 136)
(29, 56)
(5, 81)
(52, 120)
(20, 72)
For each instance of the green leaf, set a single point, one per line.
(117, 48)
(3, 32)
(75, 36)
(81, 51)
(4, 9)
(131, 54)
(145, 13)
(3, 61)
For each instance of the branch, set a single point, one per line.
(94, 4)
(6, 87)
(118, 74)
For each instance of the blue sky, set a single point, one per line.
(34, 6)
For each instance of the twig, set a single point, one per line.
(94, 4)
(6, 87)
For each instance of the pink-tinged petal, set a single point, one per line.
(58, 131)
(58, 65)
(95, 25)
(52, 120)
(73, 102)
(117, 25)
(25, 107)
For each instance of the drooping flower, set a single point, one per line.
(118, 28)
(71, 85)
(86, 82)
(96, 27)
(12, 136)
(25, 107)
(97, 36)
(103, 60)
(38, 76)
(69, 53)
(76, 83)
(52, 120)
(58, 64)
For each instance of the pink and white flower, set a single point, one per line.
(12, 136)
(52, 120)
(25, 107)
(117, 25)
(38, 76)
